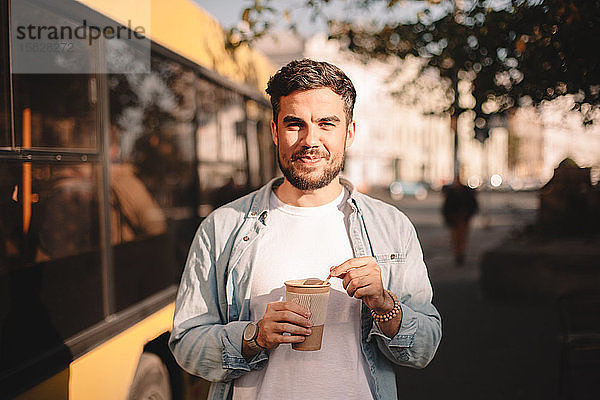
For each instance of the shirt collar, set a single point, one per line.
(259, 208)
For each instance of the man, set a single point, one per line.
(231, 324)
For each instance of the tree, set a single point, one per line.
(511, 52)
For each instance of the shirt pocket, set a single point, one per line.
(392, 266)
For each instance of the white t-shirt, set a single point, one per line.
(304, 242)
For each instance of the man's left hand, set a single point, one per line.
(361, 277)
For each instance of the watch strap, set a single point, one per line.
(252, 345)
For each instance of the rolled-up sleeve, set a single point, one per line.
(416, 341)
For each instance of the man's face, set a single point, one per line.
(311, 137)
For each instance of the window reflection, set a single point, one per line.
(57, 218)
(56, 120)
(155, 114)
(68, 222)
(134, 212)
(11, 228)
(50, 280)
(221, 133)
(38, 52)
(62, 104)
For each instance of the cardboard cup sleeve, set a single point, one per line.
(315, 298)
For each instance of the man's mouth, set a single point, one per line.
(308, 158)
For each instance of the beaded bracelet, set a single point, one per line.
(393, 313)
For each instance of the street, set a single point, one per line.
(489, 349)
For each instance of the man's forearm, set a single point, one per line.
(391, 327)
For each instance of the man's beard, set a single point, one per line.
(301, 177)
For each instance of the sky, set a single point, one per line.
(228, 12)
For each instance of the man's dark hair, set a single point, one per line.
(308, 74)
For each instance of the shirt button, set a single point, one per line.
(393, 256)
(253, 214)
(246, 238)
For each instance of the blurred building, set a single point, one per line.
(526, 148)
(540, 138)
(565, 135)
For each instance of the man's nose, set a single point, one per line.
(311, 137)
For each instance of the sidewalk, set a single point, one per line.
(542, 269)
(490, 349)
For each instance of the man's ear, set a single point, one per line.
(350, 133)
(274, 132)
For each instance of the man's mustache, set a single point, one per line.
(309, 152)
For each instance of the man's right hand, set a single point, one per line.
(281, 317)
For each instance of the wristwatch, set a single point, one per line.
(250, 335)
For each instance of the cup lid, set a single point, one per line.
(300, 283)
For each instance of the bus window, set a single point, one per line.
(54, 210)
(154, 113)
(63, 111)
(221, 134)
(152, 177)
(62, 103)
(68, 222)
(50, 263)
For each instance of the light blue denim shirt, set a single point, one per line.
(212, 307)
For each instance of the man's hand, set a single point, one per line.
(281, 317)
(361, 277)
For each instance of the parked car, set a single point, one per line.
(400, 189)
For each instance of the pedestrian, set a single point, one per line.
(231, 325)
(460, 204)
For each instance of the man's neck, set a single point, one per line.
(293, 196)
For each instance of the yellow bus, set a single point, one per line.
(104, 178)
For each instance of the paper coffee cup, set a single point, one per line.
(315, 299)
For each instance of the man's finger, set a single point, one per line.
(291, 329)
(352, 285)
(357, 273)
(291, 317)
(350, 264)
(290, 339)
(362, 292)
(289, 306)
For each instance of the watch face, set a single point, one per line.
(250, 331)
